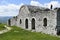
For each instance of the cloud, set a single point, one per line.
(54, 3)
(35, 3)
(9, 10)
(47, 5)
(13, 9)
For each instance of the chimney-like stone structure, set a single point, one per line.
(51, 6)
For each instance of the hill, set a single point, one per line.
(4, 19)
(20, 34)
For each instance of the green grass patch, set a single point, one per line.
(2, 26)
(20, 34)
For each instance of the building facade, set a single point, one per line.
(37, 18)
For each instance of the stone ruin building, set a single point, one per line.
(37, 18)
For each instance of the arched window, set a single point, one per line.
(33, 23)
(26, 23)
(45, 22)
(20, 21)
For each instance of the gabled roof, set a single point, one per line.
(37, 8)
(32, 8)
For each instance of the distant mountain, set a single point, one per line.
(4, 19)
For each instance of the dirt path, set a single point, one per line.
(5, 30)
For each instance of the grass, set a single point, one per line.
(21, 34)
(2, 26)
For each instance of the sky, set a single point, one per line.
(11, 7)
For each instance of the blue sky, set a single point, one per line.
(17, 2)
(11, 7)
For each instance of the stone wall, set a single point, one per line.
(13, 21)
(38, 16)
(58, 22)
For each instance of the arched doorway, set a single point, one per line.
(26, 23)
(58, 32)
(20, 21)
(33, 23)
(45, 22)
(9, 22)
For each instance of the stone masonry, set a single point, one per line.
(37, 18)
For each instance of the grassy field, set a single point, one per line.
(2, 26)
(20, 34)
